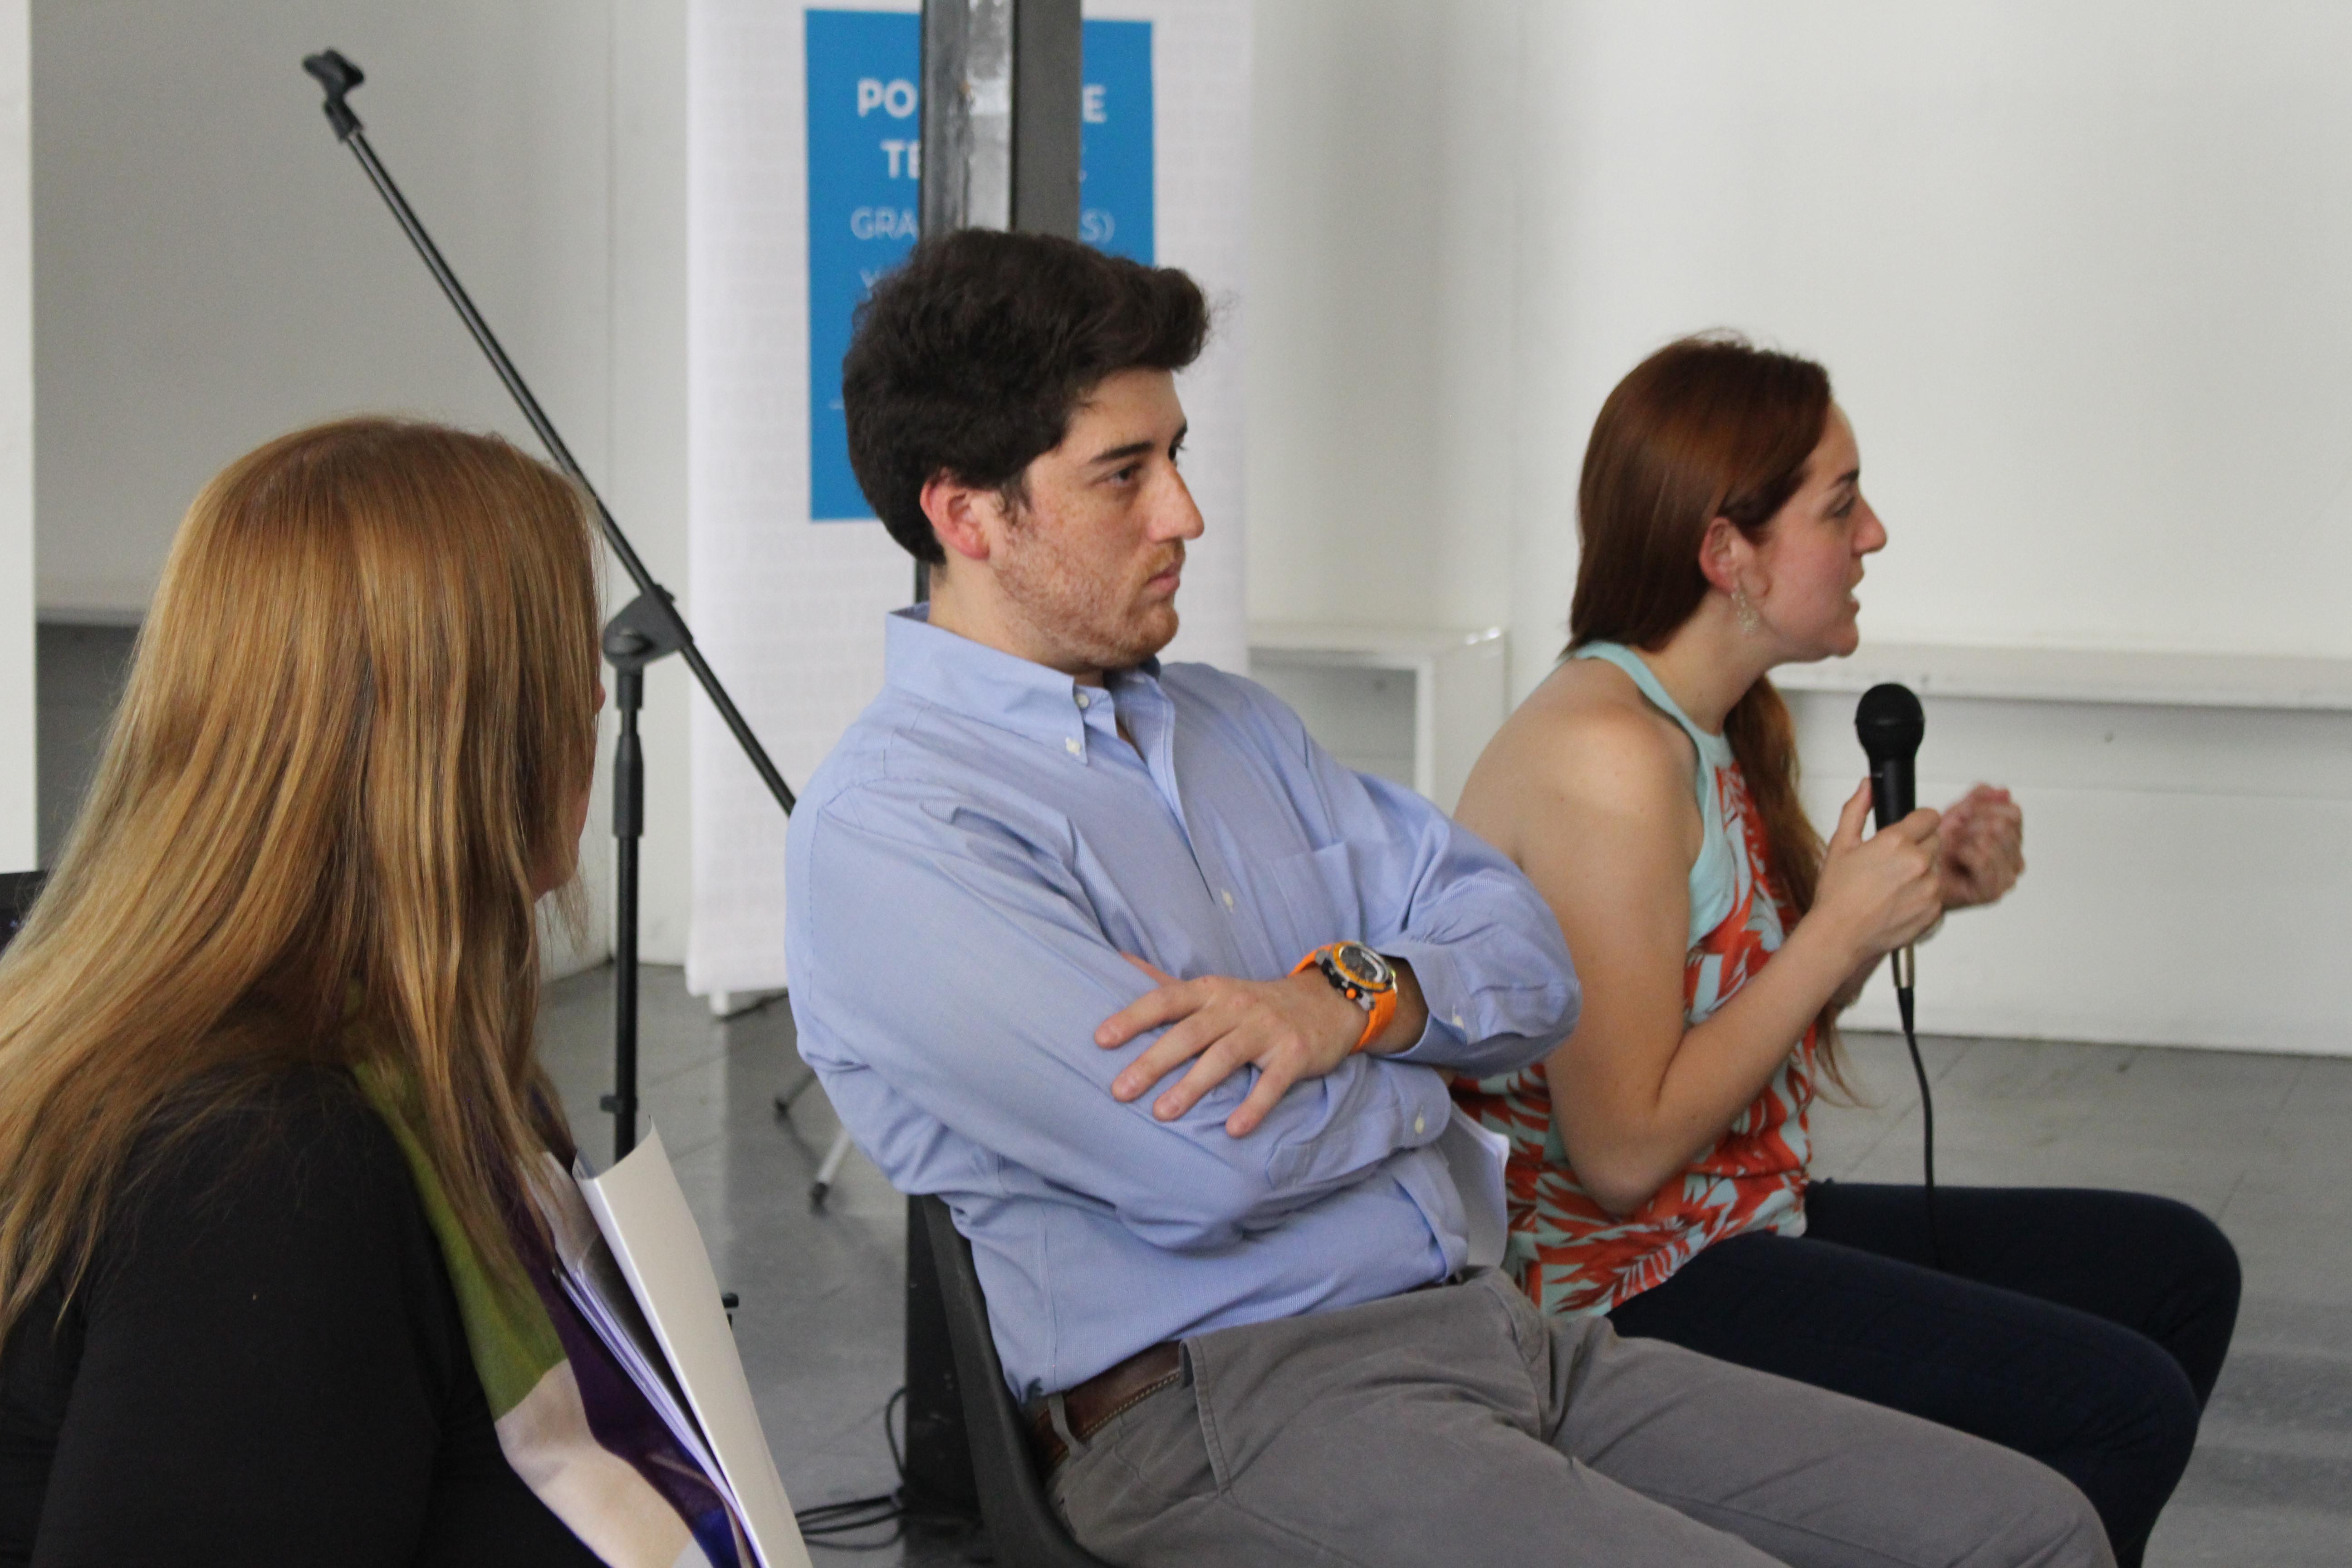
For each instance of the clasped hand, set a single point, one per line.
(1892, 887)
(1289, 1029)
(1983, 835)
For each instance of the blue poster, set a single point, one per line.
(1115, 140)
(864, 153)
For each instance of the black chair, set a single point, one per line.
(1022, 1524)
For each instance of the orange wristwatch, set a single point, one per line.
(1363, 977)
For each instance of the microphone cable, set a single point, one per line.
(824, 1521)
(889, 1512)
(1927, 1128)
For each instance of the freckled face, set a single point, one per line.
(1092, 560)
(1810, 557)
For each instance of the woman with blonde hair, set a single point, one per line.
(277, 1226)
(1658, 1168)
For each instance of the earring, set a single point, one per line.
(1750, 623)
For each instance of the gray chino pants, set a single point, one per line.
(1457, 1425)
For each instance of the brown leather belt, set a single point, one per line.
(1092, 1403)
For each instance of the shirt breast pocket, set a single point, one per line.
(1308, 901)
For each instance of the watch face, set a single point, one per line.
(1363, 965)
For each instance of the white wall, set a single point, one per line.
(19, 808)
(213, 268)
(1383, 310)
(2184, 870)
(2077, 267)
(647, 490)
(2079, 272)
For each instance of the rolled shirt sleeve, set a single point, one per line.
(1486, 947)
(1487, 951)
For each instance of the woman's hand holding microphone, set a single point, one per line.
(1883, 892)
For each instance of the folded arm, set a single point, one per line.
(1413, 884)
(970, 974)
(1297, 1027)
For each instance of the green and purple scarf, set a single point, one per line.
(583, 1438)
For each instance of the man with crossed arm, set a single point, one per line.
(1114, 958)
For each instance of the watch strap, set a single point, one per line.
(1379, 1004)
(1384, 1006)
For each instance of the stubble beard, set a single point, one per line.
(1090, 617)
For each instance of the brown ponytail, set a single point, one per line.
(1707, 427)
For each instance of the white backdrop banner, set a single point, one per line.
(801, 122)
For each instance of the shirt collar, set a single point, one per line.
(988, 684)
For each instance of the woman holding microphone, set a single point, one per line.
(1658, 1157)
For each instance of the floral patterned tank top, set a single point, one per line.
(1573, 1256)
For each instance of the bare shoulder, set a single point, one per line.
(1585, 743)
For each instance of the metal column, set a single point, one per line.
(1000, 88)
(1002, 83)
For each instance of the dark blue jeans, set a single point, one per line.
(2083, 1328)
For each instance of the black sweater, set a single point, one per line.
(265, 1364)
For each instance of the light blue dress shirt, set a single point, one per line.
(964, 872)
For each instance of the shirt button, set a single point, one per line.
(1227, 896)
(1418, 1123)
(1073, 743)
(1085, 701)
(1458, 1023)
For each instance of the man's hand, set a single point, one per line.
(1983, 848)
(1293, 1028)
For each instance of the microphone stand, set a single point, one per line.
(647, 628)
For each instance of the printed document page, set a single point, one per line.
(653, 1235)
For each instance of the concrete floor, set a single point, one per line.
(2248, 1139)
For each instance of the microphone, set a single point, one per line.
(1890, 723)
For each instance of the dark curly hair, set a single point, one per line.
(970, 359)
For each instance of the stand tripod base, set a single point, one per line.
(830, 1166)
(735, 1004)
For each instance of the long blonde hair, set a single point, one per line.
(362, 706)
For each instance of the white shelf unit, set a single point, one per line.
(1409, 704)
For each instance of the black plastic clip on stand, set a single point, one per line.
(648, 627)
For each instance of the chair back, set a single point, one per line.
(1022, 1525)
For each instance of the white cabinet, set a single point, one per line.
(1410, 705)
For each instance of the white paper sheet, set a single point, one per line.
(1475, 1159)
(638, 1207)
(592, 1279)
